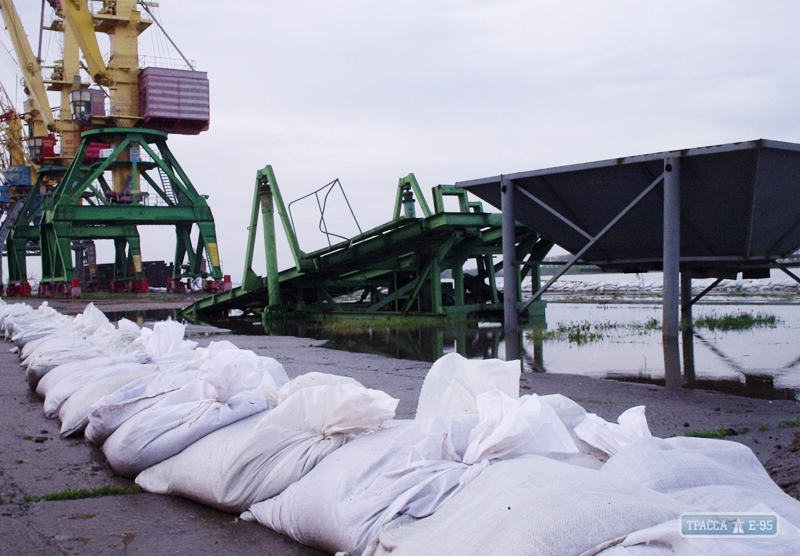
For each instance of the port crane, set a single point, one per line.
(104, 165)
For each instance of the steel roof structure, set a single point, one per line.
(739, 207)
(711, 211)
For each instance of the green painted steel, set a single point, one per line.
(393, 269)
(24, 236)
(84, 206)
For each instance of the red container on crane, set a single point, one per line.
(175, 101)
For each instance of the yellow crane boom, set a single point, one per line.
(42, 116)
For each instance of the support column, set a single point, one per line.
(510, 271)
(687, 332)
(458, 283)
(270, 246)
(671, 291)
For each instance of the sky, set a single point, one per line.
(367, 92)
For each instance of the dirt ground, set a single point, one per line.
(35, 461)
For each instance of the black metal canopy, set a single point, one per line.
(739, 206)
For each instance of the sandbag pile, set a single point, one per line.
(320, 458)
(481, 471)
(152, 401)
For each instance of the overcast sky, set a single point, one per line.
(368, 91)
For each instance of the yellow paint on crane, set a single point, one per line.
(213, 253)
(137, 263)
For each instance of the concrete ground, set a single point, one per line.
(35, 461)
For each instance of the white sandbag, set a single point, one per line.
(163, 346)
(62, 371)
(508, 427)
(258, 457)
(710, 474)
(453, 383)
(174, 371)
(334, 507)
(90, 321)
(182, 418)
(408, 470)
(272, 372)
(312, 379)
(62, 341)
(34, 331)
(611, 437)
(39, 365)
(43, 355)
(531, 506)
(56, 394)
(119, 340)
(665, 540)
(165, 338)
(572, 414)
(10, 312)
(36, 324)
(108, 413)
(74, 413)
(337, 408)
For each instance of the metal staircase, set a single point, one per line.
(10, 220)
(166, 184)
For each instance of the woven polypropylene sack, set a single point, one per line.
(710, 474)
(74, 413)
(258, 458)
(454, 382)
(532, 506)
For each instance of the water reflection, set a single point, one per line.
(140, 317)
(760, 362)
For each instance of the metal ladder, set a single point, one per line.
(166, 184)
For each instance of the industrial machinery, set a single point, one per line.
(104, 166)
(394, 269)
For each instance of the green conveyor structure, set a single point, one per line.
(393, 269)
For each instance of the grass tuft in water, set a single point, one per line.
(737, 321)
(586, 332)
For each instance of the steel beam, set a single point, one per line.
(692, 300)
(510, 271)
(671, 290)
(687, 330)
(270, 246)
(592, 241)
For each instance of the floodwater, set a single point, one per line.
(619, 317)
(763, 361)
(620, 343)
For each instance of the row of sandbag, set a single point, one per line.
(483, 471)
(479, 470)
(156, 425)
(148, 398)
